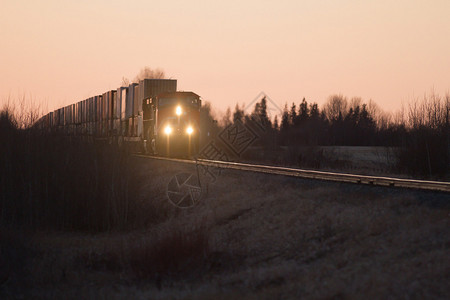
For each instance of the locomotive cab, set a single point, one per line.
(173, 124)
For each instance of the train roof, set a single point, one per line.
(177, 94)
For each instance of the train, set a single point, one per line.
(151, 115)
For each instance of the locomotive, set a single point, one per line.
(150, 115)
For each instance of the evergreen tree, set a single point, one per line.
(293, 114)
(260, 114)
(238, 114)
(366, 122)
(284, 126)
(263, 112)
(314, 113)
(303, 111)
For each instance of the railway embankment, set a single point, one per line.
(248, 235)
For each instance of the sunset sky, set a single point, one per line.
(60, 52)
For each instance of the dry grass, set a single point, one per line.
(253, 236)
(379, 161)
(57, 182)
(341, 241)
(174, 253)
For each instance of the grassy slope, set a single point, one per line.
(268, 237)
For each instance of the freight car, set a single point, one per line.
(150, 115)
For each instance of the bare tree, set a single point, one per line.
(24, 112)
(355, 102)
(145, 73)
(373, 109)
(226, 120)
(336, 107)
(435, 111)
(431, 112)
(415, 115)
(125, 81)
(382, 118)
(150, 73)
(399, 116)
(447, 110)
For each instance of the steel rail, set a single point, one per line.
(319, 175)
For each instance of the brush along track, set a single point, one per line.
(330, 176)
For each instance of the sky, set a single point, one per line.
(59, 52)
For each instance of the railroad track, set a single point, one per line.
(319, 175)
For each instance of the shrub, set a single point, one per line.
(425, 153)
(176, 252)
(63, 182)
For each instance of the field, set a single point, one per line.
(252, 236)
(354, 159)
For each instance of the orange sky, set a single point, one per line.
(61, 52)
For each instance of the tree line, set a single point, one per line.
(419, 131)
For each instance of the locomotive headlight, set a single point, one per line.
(168, 130)
(178, 110)
(190, 130)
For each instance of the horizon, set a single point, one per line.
(390, 53)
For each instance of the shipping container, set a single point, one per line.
(119, 100)
(139, 125)
(130, 101)
(149, 88)
(118, 111)
(113, 104)
(118, 104)
(51, 120)
(93, 107)
(109, 112)
(106, 105)
(83, 112)
(87, 111)
(74, 114)
(67, 118)
(123, 105)
(70, 119)
(131, 126)
(97, 110)
(88, 108)
(102, 107)
(80, 112)
(55, 118)
(64, 109)
(136, 102)
(89, 115)
(60, 118)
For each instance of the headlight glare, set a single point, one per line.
(168, 130)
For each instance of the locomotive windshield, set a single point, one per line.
(190, 101)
